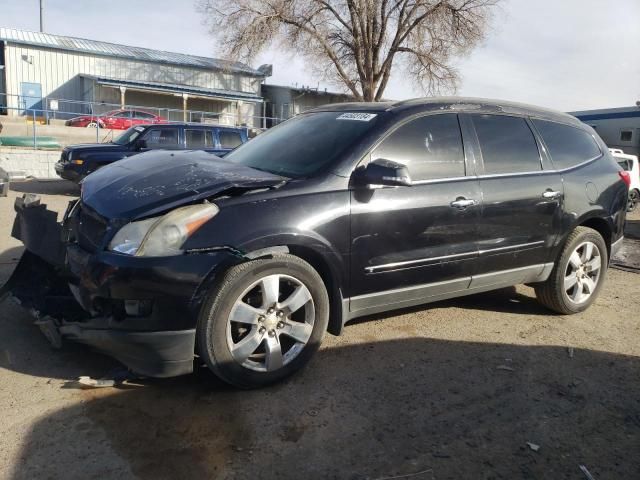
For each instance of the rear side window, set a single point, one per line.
(431, 147)
(199, 138)
(229, 139)
(507, 144)
(568, 146)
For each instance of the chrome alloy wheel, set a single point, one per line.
(582, 273)
(270, 323)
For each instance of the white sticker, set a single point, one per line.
(358, 116)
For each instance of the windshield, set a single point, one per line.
(304, 145)
(129, 136)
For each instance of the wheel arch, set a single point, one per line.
(326, 268)
(603, 227)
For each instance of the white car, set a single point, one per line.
(630, 164)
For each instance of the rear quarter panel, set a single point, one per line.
(594, 191)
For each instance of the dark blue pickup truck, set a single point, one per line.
(78, 161)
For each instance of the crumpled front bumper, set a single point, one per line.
(141, 311)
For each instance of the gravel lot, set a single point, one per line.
(453, 390)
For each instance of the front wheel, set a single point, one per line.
(264, 321)
(578, 274)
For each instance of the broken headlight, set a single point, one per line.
(162, 236)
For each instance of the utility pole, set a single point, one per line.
(41, 16)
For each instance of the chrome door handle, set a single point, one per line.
(462, 203)
(551, 194)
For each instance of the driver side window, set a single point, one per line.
(430, 146)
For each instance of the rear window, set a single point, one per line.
(229, 139)
(568, 146)
(507, 144)
(304, 145)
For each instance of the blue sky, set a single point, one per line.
(563, 54)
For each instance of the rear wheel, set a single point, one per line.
(632, 202)
(92, 125)
(264, 321)
(578, 275)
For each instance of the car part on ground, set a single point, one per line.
(486, 195)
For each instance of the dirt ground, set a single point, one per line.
(452, 390)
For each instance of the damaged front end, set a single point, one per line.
(141, 311)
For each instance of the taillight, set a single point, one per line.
(625, 177)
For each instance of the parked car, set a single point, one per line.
(78, 161)
(116, 119)
(629, 163)
(347, 210)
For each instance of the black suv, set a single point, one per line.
(244, 262)
(78, 161)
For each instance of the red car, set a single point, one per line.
(116, 119)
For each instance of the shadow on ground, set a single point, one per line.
(455, 409)
(46, 187)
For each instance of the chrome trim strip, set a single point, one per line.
(407, 263)
(511, 247)
(442, 180)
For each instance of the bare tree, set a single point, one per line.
(356, 43)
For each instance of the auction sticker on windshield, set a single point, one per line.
(360, 117)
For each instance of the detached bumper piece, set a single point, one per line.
(44, 285)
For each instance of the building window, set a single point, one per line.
(626, 135)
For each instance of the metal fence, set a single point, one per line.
(50, 118)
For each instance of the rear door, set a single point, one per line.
(522, 198)
(416, 242)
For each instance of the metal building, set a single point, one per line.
(618, 127)
(283, 102)
(40, 71)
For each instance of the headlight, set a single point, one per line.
(162, 236)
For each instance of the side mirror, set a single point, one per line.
(141, 144)
(383, 172)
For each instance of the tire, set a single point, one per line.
(632, 202)
(583, 283)
(92, 125)
(238, 310)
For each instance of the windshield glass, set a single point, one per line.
(129, 136)
(304, 145)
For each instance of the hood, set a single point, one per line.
(154, 182)
(81, 147)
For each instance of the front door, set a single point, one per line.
(418, 241)
(522, 201)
